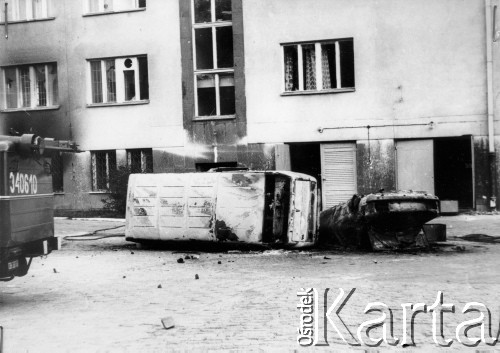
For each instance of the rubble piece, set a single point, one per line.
(180, 260)
(378, 221)
(196, 276)
(159, 286)
(168, 323)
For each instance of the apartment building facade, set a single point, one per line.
(363, 95)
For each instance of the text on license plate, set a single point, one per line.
(13, 264)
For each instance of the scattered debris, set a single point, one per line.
(196, 276)
(124, 276)
(459, 248)
(327, 258)
(180, 260)
(219, 262)
(159, 286)
(132, 253)
(55, 271)
(168, 323)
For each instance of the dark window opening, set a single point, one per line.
(57, 173)
(206, 95)
(223, 10)
(204, 49)
(140, 160)
(143, 77)
(103, 163)
(142, 3)
(347, 63)
(226, 91)
(129, 78)
(224, 36)
(202, 11)
(306, 158)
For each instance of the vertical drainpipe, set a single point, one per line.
(490, 108)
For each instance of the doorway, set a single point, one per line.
(453, 170)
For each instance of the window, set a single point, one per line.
(140, 160)
(213, 58)
(119, 80)
(103, 163)
(57, 172)
(319, 66)
(94, 6)
(22, 10)
(30, 86)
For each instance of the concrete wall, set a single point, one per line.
(70, 38)
(415, 62)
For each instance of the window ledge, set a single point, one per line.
(325, 91)
(214, 117)
(59, 193)
(14, 110)
(100, 105)
(103, 13)
(27, 21)
(99, 192)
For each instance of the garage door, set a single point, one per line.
(338, 172)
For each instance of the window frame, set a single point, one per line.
(28, 12)
(93, 170)
(101, 4)
(215, 71)
(146, 159)
(119, 81)
(51, 89)
(318, 67)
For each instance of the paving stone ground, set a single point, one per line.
(106, 295)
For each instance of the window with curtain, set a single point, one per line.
(30, 86)
(119, 80)
(318, 66)
(214, 59)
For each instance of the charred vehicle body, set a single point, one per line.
(26, 201)
(252, 207)
(379, 221)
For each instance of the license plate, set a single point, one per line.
(13, 265)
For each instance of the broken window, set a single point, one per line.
(30, 86)
(103, 163)
(140, 160)
(214, 59)
(119, 80)
(114, 5)
(319, 66)
(22, 10)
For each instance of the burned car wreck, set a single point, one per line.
(390, 220)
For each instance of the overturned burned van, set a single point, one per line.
(391, 220)
(253, 207)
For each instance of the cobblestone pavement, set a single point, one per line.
(106, 295)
